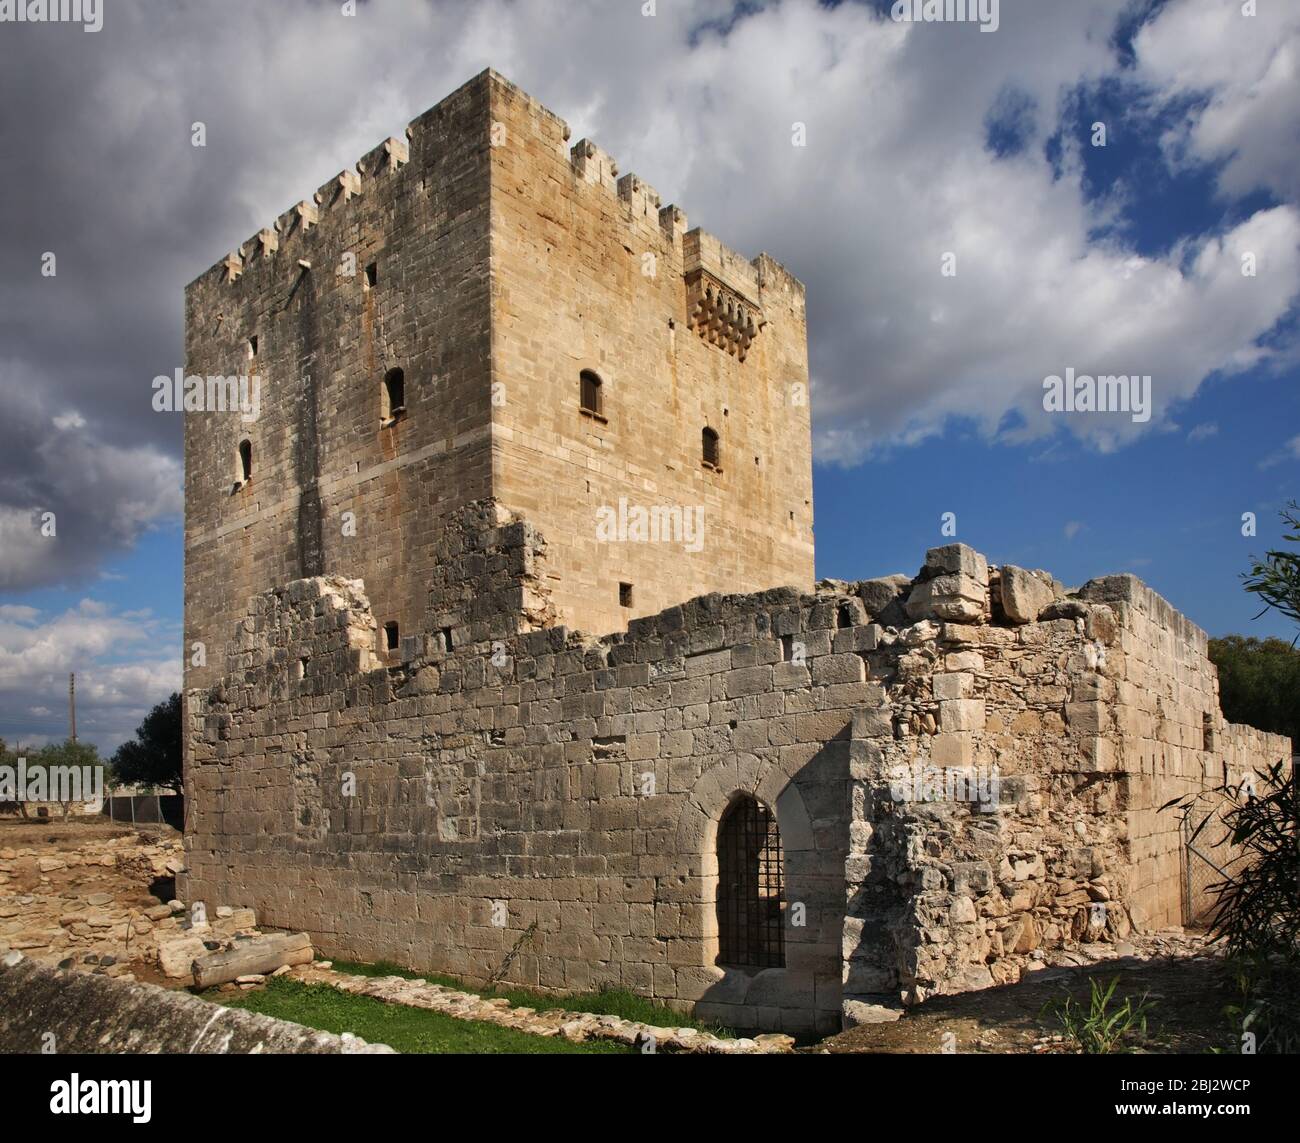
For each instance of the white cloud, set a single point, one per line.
(1072, 529)
(1247, 70)
(700, 101)
(1288, 452)
(1203, 432)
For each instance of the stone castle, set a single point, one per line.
(508, 398)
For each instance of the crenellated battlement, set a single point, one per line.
(724, 288)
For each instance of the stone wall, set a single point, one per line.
(517, 796)
(592, 273)
(388, 809)
(336, 486)
(1170, 737)
(43, 1009)
(502, 266)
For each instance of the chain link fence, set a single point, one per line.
(1209, 857)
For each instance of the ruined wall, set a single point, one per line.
(1170, 737)
(578, 782)
(590, 273)
(1003, 794)
(559, 797)
(336, 488)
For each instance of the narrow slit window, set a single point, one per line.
(372, 275)
(394, 394)
(711, 451)
(252, 346)
(625, 595)
(245, 470)
(591, 393)
(391, 637)
(751, 897)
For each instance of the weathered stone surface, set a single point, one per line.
(260, 955)
(99, 1015)
(877, 594)
(1024, 593)
(957, 559)
(177, 955)
(957, 598)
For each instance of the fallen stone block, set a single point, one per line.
(176, 956)
(256, 957)
(877, 1010)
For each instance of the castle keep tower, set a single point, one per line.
(478, 311)
(500, 390)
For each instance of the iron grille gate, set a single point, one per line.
(1209, 858)
(751, 920)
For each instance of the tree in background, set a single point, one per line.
(153, 758)
(9, 758)
(67, 756)
(1259, 683)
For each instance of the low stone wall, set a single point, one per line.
(46, 1010)
(576, 1027)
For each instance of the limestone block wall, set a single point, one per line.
(983, 823)
(592, 273)
(946, 757)
(1172, 738)
(539, 792)
(1031, 718)
(489, 265)
(337, 487)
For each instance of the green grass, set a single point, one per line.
(409, 1030)
(1099, 1029)
(609, 1002)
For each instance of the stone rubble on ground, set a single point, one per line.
(89, 909)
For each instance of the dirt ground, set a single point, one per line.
(59, 835)
(1188, 995)
(88, 892)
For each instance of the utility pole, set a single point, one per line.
(72, 704)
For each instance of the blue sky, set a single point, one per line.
(1168, 508)
(922, 140)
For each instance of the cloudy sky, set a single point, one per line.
(929, 147)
